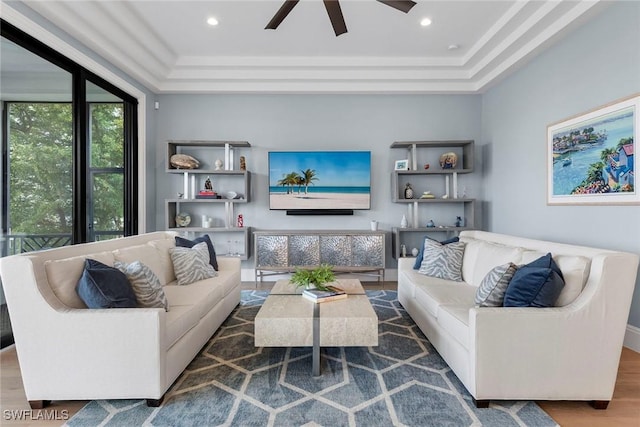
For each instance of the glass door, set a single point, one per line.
(106, 201)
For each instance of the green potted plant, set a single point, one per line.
(319, 277)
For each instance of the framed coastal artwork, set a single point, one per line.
(591, 157)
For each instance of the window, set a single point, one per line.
(69, 143)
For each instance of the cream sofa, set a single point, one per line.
(567, 352)
(69, 352)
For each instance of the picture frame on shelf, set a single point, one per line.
(590, 157)
(402, 165)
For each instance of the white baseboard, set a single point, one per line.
(632, 338)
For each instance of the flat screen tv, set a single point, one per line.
(308, 181)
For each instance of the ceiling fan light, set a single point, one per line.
(212, 21)
(425, 22)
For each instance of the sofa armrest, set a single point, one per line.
(406, 263)
(90, 349)
(89, 352)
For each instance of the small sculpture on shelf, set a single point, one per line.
(240, 222)
(404, 223)
(414, 251)
(408, 191)
(431, 224)
(458, 221)
(243, 163)
(208, 192)
(218, 164)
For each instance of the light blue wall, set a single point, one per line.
(316, 122)
(594, 65)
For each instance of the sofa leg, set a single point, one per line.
(154, 403)
(39, 404)
(482, 404)
(600, 404)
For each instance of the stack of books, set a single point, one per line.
(207, 194)
(319, 296)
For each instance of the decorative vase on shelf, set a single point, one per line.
(408, 191)
(414, 251)
(404, 223)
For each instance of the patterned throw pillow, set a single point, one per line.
(491, 291)
(192, 264)
(442, 261)
(186, 243)
(146, 285)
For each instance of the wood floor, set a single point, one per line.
(623, 411)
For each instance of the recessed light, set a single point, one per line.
(425, 22)
(453, 47)
(212, 21)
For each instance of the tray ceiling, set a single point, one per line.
(168, 46)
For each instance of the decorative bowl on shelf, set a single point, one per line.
(183, 219)
(448, 160)
(231, 195)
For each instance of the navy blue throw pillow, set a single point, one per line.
(186, 243)
(418, 263)
(101, 286)
(537, 284)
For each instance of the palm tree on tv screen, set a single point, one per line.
(308, 176)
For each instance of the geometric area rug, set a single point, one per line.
(401, 382)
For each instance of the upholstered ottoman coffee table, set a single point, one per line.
(286, 319)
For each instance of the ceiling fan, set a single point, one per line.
(334, 11)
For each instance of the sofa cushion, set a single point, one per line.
(186, 243)
(101, 286)
(438, 292)
(575, 272)
(146, 254)
(63, 276)
(146, 285)
(191, 264)
(442, 261)
(180, 320)
(416, 265)
(162, 246)
(537, 284)
(481, 256)
(202, 295)
(454, 318)
(491, 291)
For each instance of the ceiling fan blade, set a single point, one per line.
(282, 13)
(335, 15)
(402, 5)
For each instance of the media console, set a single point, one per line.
(347, 251)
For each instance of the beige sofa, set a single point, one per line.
(69, 352)
(567, 352)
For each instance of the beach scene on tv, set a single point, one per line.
(319, 180)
